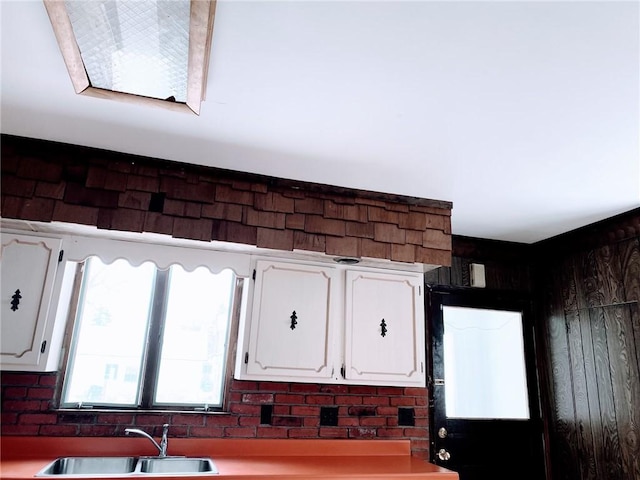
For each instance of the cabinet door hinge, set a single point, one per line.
(421, 367)
(43, 346)
(419, 290)
(60, 255)
(246, 357)
(254, 274)
(343, 371)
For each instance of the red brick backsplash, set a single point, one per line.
(29, 408)
(46, 181)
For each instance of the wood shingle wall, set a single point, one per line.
(45, 181)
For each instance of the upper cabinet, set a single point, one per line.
(291, 329)
(333, 324)
(384, 328)
(28, 268)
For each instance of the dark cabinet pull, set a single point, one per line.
(383, 328)
(294, 320)
(15, 300)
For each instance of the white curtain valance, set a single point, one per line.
(78, 249)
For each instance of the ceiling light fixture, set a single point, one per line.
(152, 51)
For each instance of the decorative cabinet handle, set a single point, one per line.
(294, 320)
(383, 328)
(15, 300)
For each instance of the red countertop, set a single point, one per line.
(23, 457)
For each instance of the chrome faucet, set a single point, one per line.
(164, 441)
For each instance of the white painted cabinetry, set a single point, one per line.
(291, 330)
(324, 323)
(28, 267)
(384, 328)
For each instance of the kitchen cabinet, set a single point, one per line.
(291, 332)
(333, 324)
(384, 328)
(28, 268)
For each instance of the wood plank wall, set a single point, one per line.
(588, 289)
(507, 265)
(585, 287)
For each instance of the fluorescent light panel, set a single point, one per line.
(151, 51)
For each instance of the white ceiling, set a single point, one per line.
(524, 114)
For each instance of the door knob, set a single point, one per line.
(443, 455)
(442, 432)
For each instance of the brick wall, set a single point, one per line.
(293, 411)
(45, 181)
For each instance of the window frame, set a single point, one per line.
(152, 350)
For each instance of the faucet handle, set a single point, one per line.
(164, 442)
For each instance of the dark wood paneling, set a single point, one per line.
(593, 443)
(558, 358)
(625, 226)
(607, 423)
(507, 265)
(586, 287)
(591, 352)
(630, 263)
(580, 399)
(623, 357)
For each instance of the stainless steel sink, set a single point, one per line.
(126, 466)
(90, 466)
(177, 465)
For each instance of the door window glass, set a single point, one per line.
(484, 364)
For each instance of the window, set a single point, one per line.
(484, 364)
(149, 338)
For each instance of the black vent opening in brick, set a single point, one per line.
(329, 416)
(266, 414)
(406, 417)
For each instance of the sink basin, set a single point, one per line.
(177, 465)
(90, 466)
(125, 466)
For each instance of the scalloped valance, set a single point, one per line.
(78, 248)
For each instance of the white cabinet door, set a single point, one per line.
(28, 267)
(384, 328)
(290, 333)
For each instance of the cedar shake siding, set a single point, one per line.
(45, 181)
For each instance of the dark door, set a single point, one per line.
(485, 416)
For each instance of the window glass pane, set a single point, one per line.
(110, 334)
(193, 355)
(484, 371)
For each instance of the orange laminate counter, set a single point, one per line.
(236, 459)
